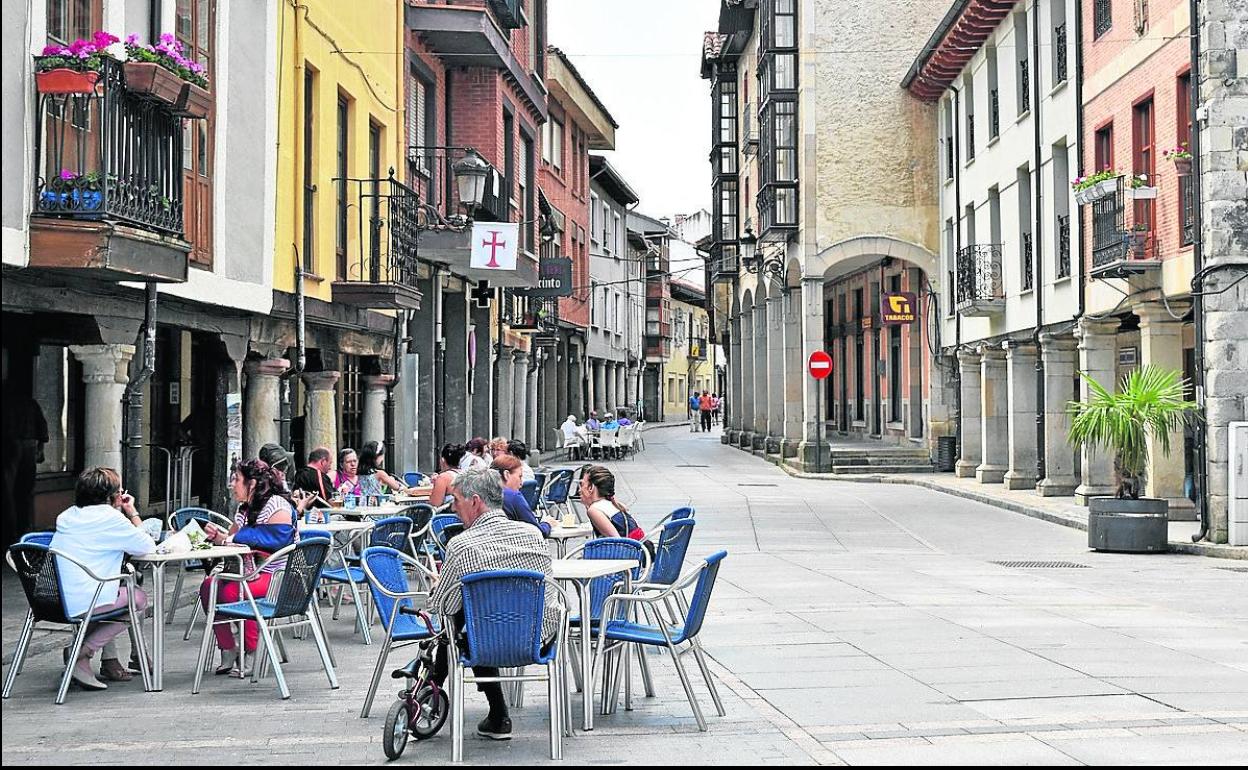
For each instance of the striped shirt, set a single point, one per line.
(494, 542)
(275, 505)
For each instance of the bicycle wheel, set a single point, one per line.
(394, 737)
(434, 708)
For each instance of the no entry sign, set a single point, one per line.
(819, 365)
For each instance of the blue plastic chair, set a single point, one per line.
(442, 527)
(503, 612)
(558, 487)
(386, 569)
(415, 478)
(38, 538)
(38, 568)
(669, 552)
(531, 491)
(421, 515)
(390, 532)
(176, 521)
(293, 602)
(668, 636)
(686, 512)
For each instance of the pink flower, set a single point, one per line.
(67, 175)
(103, 39)
(132, 38)
(55, 50)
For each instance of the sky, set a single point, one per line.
(642, 57)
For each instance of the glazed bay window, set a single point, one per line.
(777, 200)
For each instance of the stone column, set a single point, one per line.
(480, 355)
(1098, 358)
(794, 372)
(530, 399)
(970, 450)
(373, 419)
(598, 395)
(1058, 355)
(735, 401)
(994, 419)
(1020, 362)
(775, 371)
(762, 379)
(321, 416)
(105, 372)
(613, 394)
(519, 393)
(745, 370)
(621, 390)
(261, 403)
(504, 398)
(1161, 345)
(812, 456)
(550, 415)
(630, 385)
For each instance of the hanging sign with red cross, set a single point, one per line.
(494, 245)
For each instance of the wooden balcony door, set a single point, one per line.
(195, 26)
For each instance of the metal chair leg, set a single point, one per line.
(324, 651)
(553, 694)
(177, 591)
(647, 680)
(316, 613)
(684, 681)
(138, 645)
(190, 624)
(19, 653)
(706, 675)
(376, 681)
(457, 711)
(271, 650)
(361, 616)
(80, 635)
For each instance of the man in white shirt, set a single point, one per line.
(99, 530)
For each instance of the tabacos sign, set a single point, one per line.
(899, 307)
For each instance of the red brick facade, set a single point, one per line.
(1139, 110)
(567, 189)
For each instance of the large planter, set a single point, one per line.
(194, 102)
(1128, 526)
(66, 81)
(1144, 193)
(154, 82)
(1182, 166)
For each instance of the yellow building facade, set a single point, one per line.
(691, 368)
(336, 70)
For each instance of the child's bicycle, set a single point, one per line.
(423, 706)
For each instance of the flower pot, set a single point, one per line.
(1144, 193)
(194, 102)
(86, 200)
(154, 82)
(66, 81)
(1128, 526)
(1102, 189)
(1182, 166)
(1081, 197)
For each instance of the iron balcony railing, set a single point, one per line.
(948, 157)
(1102, 17)
(111, 154)
(1187, 199)
(1029, 262)
(1024, 86)
(697, 348)
(994, 113)
(1109, 239)
(1059, 54)
(388, 215)
(979, 274)
(1063, 246)
(970, 137)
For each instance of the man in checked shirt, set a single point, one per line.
(490, 541)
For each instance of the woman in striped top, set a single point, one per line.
(257, 489)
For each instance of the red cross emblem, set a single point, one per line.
(494, 244)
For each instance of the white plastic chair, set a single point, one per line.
(608, 441)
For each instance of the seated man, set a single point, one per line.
(609, 422)
(490, 541)
(592, 423)
(569, 428)
(314, 478)
(99, 530)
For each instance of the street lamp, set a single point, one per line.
(470, 172)
(768, 263)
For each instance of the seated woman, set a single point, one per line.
(449, 464)
(262, 510)
(373, 477)
(475, 454)
(520, 450)
(347, 478)
(514, 505)
(496, 447)
(610, 518)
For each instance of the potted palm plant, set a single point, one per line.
(1150, 403)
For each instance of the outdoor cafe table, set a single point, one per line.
(582, 572)
(561, 535)
(336, 526)
(159, 561)
(375, 511)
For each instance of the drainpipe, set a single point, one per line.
(957, 247)
(301, 354)
(1081, 166)
(133, 397)
(1200, 478)
(1038, 246)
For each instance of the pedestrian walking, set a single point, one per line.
(704, 410)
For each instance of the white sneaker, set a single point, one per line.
(85, 677)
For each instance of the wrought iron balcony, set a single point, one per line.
(1116, 251)
(697, 348)
(1063, 246)
(1102, 17)
(536, 315)
(1187, 199)
(1024, 86)
(111, 155)
(979, 284)
(1029, 262)
(994, 113)
(385, 272)
(1059, 54)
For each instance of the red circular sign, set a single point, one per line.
(819, 365)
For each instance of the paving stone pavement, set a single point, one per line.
(853, 624)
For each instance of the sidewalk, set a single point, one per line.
(1054, 510)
